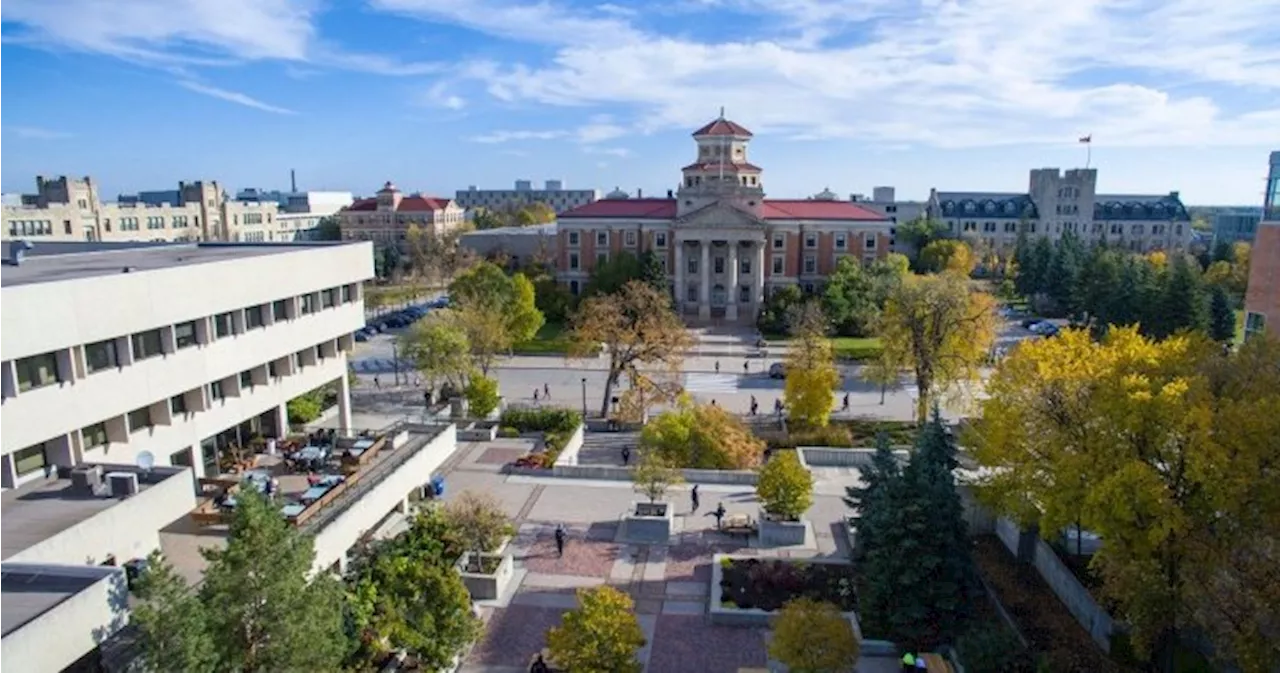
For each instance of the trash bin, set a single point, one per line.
(437, 485)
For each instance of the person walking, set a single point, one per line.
(377, 383)
(777, 407)
(717, 366)
(719, 513)
(546, 390)
(746, 366)
(539, 665)
(755, 406)
(560, 539)
(626, 455)
(693, 498)
(845, 405)
(535, 394)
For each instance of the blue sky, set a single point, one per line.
(440, 94)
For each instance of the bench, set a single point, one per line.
(738, 524)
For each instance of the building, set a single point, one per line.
(520, 245)
(69, 209)
(553, 194)
(1235, 225)
(723, 243)
(386, 218)
(1262, 299)
(298, 214)
(884, 201)
(1059, 202)
(203, 345)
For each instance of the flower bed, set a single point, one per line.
(556, 425)
(1041, 617)
(769, 583)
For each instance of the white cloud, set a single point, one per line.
(497, 137)
(620, 152)
(36, 132)
(940, 72)
(234, 97)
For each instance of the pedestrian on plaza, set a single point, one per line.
(546, 391)
(693, 498)
(539, 666)
(416, 382)
(426, 397)
(535, 394)
(377, 383)
(746, 366)
(560, 539)
(626, 455)
(717, 366)
(845, 406)
(713, 402)
(755, 406)
(719, 513)
(777, 406)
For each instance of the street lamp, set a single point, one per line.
(395, 361)
(584, 399)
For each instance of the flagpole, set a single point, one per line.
(1088, 153)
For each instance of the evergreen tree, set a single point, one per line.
(1222, 252)
(651, 271)
(1023, 280)
(1061, 281)
(1041, 263)
(1183, 299)
(872, 500)
(1222, 319)
(1100, 288)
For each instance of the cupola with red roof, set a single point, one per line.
(721, 171)
(388, 197)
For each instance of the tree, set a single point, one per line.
(495, 310)
(777, 309)
(813, 637)
(328, 229)
(947, 255)
(613, 274)
(439, 349)
(939, 329)
(636, 326)
(702, 437)
(1183, 305)
(535, 213)
(172, 623)
(483, 218)
(873, 500)
(418, 243)
(812, 377)
(1222, 319)
(849, 299)
(480, 521)
(918, 233)
(654, 476)
(886, 274)
(482, 396)
(785, 487)
(262, 612)
(602, 634)
(1062, 283)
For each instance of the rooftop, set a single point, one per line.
(42, 509)
(722, 127)
(30, 590)
(548, 229)
(773, 209)
(49, 262)
(414, 203)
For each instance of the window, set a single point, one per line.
(719, 265)
(308, 304)
(30, 459)
(691, 265)
(66, 226)
(777, 265)
(691, 294)
(744, 295)
(602, 238)
(246, 379)
(779, 241)
(178, 405)
(573, 238)
(146, 344)
(573, 288)
(810, 264)
(630, 239)
(185, 334)
(280, 310)
(101, 355)
(254, 317)
(272, 371)
(744, 265)
(660, 240)
(328, 298)
(841, 242)
(94, 435)
(1010, 227)
(810, 240)
(1137, 230)
(216, 392)
(573, 261)
(37, 371)
(869, 241)
(139, 419)
(1254, 324)
(346, 294)
(988, 226)
(222, 324)
(181, 458)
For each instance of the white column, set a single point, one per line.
(282, 420)
(757, 291)
(731, 308)
(344, 404)
(704, 292)
(680, 289)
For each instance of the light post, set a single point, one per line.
(395, 361)
(584, 399)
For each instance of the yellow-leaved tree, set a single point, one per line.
(1169, 451)
(948, 254)
(812, 377)
(702, 436)
(601, 635)
(812, 636)
(939, 330)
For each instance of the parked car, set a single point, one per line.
(777, 370)
(1031, 322)
(361, 335)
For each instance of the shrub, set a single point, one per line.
(480, 522)
(831, 435)
(508, 432)
(785, 487)
(305, 408)
(993, 648)
(482, 396)
(811, 635)
(542, 420)
(653, 477)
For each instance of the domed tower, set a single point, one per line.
(721, 172)
(388, 197)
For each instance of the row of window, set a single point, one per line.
(1096, 228)
(36, 457)
(30, 227)
(46, 369)
(779, 240)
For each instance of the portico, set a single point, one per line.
(719, 276)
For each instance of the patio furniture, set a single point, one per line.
(738, 524)
(310, 453)
(292, 510)
(314, 493)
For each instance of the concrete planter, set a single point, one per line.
(731, 615)
(480, 431)
(649, 522)
(783, 533)
(487, 586)
(458, 407)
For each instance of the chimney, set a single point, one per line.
(671, 194)
(639, 193)
(293, 181)
(1173, 194)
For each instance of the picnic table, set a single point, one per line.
(310, 453)
(738, 523)
(292, 510)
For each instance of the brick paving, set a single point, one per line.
(582, 556)
(499, 456)
(514, 634)
(689, 644)
(691, 561)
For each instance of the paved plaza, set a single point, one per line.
(668, 582)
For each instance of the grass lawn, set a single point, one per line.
(847, 348)
(552, 339)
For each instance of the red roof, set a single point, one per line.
(722, 127)
(665, 209)
(408, 204)
(656, 209)
(811, 209)
(728, 166)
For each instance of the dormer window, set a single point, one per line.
(969, 207)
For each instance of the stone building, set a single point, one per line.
(386, 217)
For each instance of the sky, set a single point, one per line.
(436, 95)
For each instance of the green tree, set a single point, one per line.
(495, 310)
(849, 299)
(652, 271)
(887, 273)
(947, 255)
(703, 437)
(1064, 274)
(812, 636)
(612, 275)
(480, 522)
(328, 229)
(1183, 305)
(654, 476)
(785, 487)
(482, 396)
(483, 218)
(602, 634)
(1222, 319)
(262, 611)
(919, 232)
(777, 309)
(172, 623)
(535, 213)
(439, 349)
(873, 500)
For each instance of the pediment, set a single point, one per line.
(720, 215)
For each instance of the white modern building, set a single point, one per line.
(110, 351)
(553, 194)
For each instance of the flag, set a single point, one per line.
(1086, 139)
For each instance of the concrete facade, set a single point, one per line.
(177, 362)
(519, 244)
(553, 194)
(1236, 225)
(54, 615)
